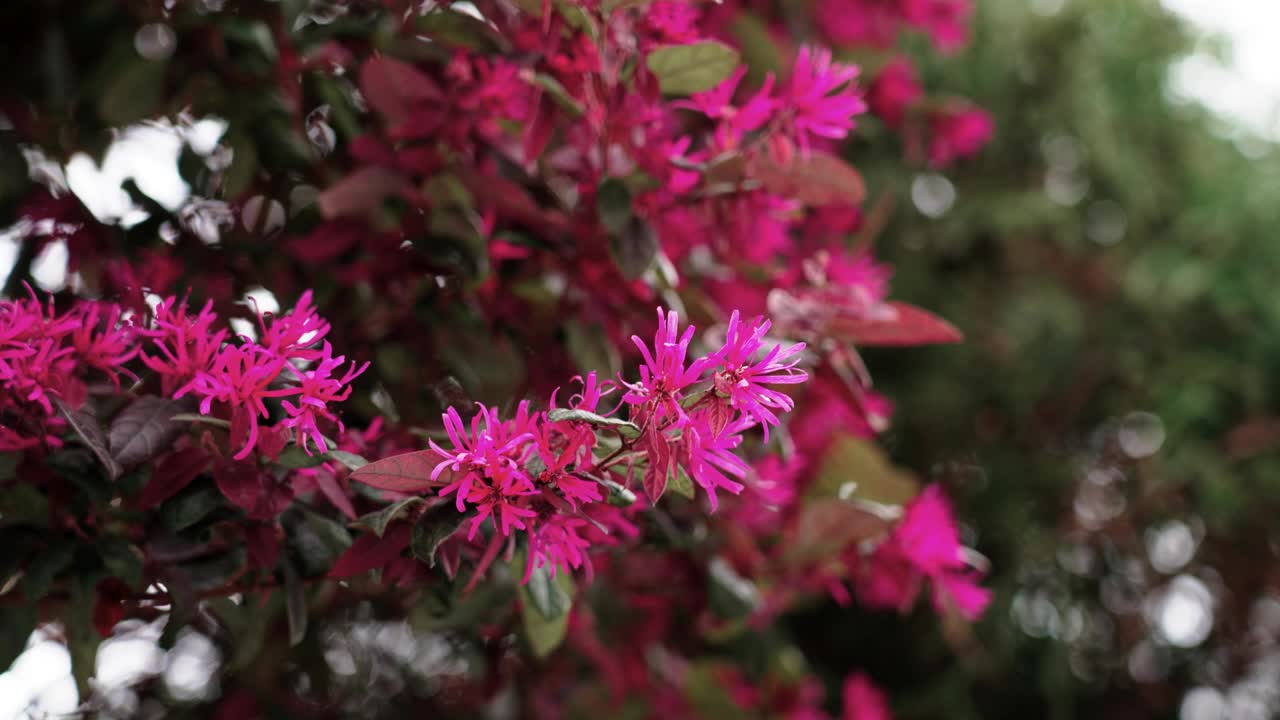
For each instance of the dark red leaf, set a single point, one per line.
(510, 200)
(370, 551)
(325, 243)
(660, 465)
(172, 474)
(145, 429)
(393, 87)
(90, 432)
(245, 485)
(898, 325)
(262, 543)
(332, 490)
(360, 192)
(814, 179)
(407, 473)
(108, 607)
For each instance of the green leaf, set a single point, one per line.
(591, 350)
(459, 29)
(627, 428)
(634, 248)
(23, 504)
(244, 164)
(204, 419)
(545, 602)
(295, 604)
(435, 526)
(247, 626)
(608, 6)
(315, 539)
(377, 522)
(295, 458)
(827, 526)
(559, 94)
(695, 68)
(43, 569)
(854, 468)
(17, 622)
(706, 693)
(9, 465)
(134, 92)
(759, 50)
(351, 460)
(613, 203)
(619, 496)
(214, 572)
(123, 560)
(82, 636)
(548, 597)
(681, 484)
(190, 506)
(729, 594)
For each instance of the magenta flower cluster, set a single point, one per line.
(47, 359)
(546, 473)
(290, 362)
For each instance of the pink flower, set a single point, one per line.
(558, 452)
(239, 377)
(708, 456)
(558, 544)
(477, 458)
(717, 104)
(820, 100)
(101, 341)
(293, 334)
(859, 22)
(957, 134)
(669, 22)
(743, 375)
(497, 495)
(184, 345)
(317, 388)
(945, 21)
(925, 544)
(863, 700)
(664, 373)
(895, 89)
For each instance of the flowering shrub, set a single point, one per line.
(494, 198)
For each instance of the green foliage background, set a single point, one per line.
(1066, 336)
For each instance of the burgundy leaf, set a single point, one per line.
(393, 87)
(407, 473)
(172, 474)
(90, 433)
(898, 325)
(814, 179)
(510, 200)
(660, 462)
(326, 242)
(262, 543)
(144, 429)
(370, 551)
(246, 486)
(361, 192)
(332, 490)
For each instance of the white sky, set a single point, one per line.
(1247, 88)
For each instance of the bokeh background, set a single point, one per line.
(1109, 427)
